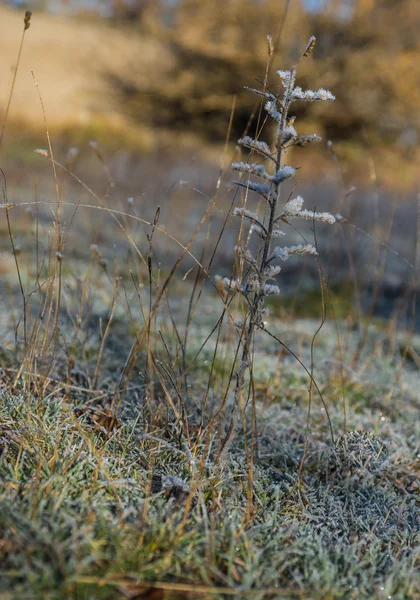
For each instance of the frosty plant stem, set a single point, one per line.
(262, 268)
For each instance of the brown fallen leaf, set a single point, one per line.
(103, 421)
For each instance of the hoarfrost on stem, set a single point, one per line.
(255, 287)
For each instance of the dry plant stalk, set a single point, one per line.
(262, 268)
(26, 25)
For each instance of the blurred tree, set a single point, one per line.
(213, 50)
(367, 53)
(371, 63)
(130, 10)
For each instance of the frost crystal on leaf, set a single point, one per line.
(294, 206)
(246, 214)
(232, 284)
(261, 188)
(310, 215)
(283, 174)
(260, 93)
(271, 271)
(270, 290)
(287, 134)
(340, 219)
(325, 95)
(285, 76)
(246, 255)
(251, 168)
(174, 485)
(253, 284)
(286, 251)
(260, 147)
(305, 140)
(258, 230)
(277, 233)
(271, 108)
(310, 96)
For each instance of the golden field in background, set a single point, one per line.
(67, 57)
(155, 84)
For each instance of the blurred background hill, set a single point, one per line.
(159, 85)
(179, 66)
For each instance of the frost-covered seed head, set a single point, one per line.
(310, 46)
(270, 46)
